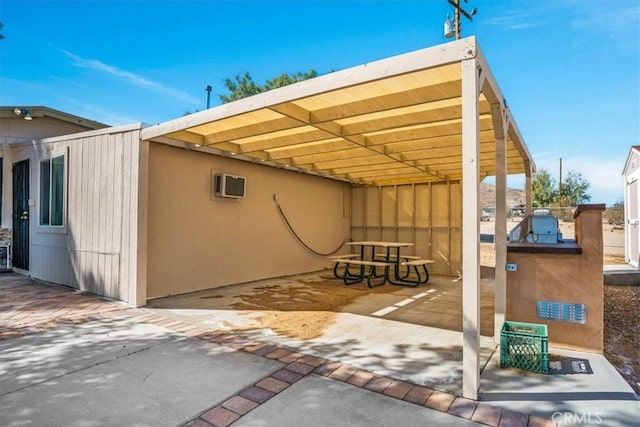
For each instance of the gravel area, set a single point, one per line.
(622, 331)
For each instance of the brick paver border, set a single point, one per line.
(299, 366)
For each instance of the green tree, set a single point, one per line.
(243, 85)
(574, 190)
(543, 189)
(285, 79)
(240, 87)
(546, 193)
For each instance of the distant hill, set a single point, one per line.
(515, 197)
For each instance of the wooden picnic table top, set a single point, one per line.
(381, 244)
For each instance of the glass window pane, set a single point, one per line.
(57, 190)
(44, 191)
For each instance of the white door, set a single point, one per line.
(633, 223)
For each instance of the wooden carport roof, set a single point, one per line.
(435, 114)
(394, 121)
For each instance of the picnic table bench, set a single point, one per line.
(369, 265)
(415, 263)
(350, 278)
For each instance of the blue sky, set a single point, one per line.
(569, 69)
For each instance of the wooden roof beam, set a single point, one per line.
(405, 98)
(323, 146)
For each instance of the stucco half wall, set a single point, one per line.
(199, 241)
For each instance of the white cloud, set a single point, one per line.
(130, 77)
(514, 20)
(620, 24)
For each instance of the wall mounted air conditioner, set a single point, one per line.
(232, 186)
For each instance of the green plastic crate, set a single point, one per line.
(524, 346)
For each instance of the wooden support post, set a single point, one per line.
(528, 190)
(470, 231)
(500, 126)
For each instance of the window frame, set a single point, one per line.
(50, 192)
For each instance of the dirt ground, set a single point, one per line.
(297, 310)
(622, 331)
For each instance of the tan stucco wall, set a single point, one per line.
(567, 278)
(197, 241)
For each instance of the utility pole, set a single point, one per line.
(208, 90)
(560, 184)
(458, 11)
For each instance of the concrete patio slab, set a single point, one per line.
(118, 372)
(79, 364)
(38, 358)
(621, 274)
(581, 388)
(319, 402)
(419, 354)
(385, 333)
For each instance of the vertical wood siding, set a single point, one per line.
(428, 215)
(96, 250)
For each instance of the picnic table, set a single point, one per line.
(379, 255)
